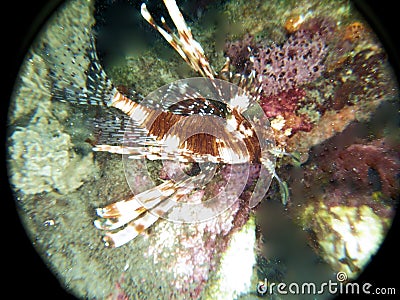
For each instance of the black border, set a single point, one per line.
(26, 274)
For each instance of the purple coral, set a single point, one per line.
(298, 61)
(239, 53)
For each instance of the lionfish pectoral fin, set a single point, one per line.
(135, 227)
(120, 213)
(114, 219)
(132, 230)
(139, 212)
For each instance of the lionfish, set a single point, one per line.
(124, 220)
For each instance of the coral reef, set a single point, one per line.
(324, 26)
(43, 154)
(330, 124)
(346, 220)
(288, 73)
(233, 173)
(194, 253)
(240, 52)
(33, 88)
(354, 32)
(281, 70)
(48, 161)
(238, 258)
(349, 186)
(361, 77)
(368, 167)
(356, 82)
(43, 159)
(119, 293)
(285, 104)
(130, 72)
(298, 61)
(347, 236)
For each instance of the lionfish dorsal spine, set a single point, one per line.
(187, 47)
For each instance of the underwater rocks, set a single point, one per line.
(284, 106)
(192, 252)
(238, 258)
(201, 257)
(327, 74)
(347, 198)
(278, 68)
(280, 71)
(43, 156)
(345, 228)
(207, 258)
(362, 76)
(33, 89)
(345, 236)
(240, 52)
(372, 167)
(43, 159)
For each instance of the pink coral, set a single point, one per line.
(119, 293)
(285, 104)
(228, 173)
(280, 70)
(324, 26)
(369, 79)
(276, 105)
(196, 250)
(191, 252)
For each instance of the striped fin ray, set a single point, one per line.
(155, 153)
(184, 43)
(205, 139)
(120, 213)
(135, 217)
(132, 230)
(115, 128)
